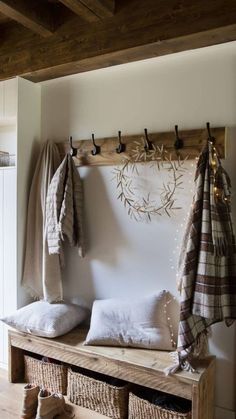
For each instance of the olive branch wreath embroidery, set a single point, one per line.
(144, 208)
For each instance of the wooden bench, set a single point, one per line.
(139, 366)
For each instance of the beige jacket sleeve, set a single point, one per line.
(65, 202)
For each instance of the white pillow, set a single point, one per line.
(140, 323)
(49, 320)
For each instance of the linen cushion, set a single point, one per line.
(44, 319)
(140, 323)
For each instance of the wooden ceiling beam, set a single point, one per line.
(132, 54)
(80, 9)
(91, 10)
(102, 8)
(30, 14)
(3, 18)
(131, 35)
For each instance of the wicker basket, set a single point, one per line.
(49, 375)
(140, 409)
(98, 395)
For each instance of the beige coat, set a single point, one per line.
(42, 274)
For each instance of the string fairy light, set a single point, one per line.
(170, 325)
(181, 226)
(218, 192)
(172, 260)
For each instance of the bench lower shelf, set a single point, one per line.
(138, 366)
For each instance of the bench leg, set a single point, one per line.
(203, 395)
(16, 365)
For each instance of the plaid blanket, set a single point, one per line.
(208, 258)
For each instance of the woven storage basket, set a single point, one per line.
(45, 374)
(107, 399)
(142, 409)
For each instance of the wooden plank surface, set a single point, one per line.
(139, 366)
(29, 14)
(3, 18)
(203, 395)
(102, 8)
(15, 364)
(138, 30)
(80, 9)
(91, 10)
(194, 141)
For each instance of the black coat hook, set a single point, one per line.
(96, 148)
(147, 143)
(210, 137)
(178, 141)
(73, 150)
(121, 147)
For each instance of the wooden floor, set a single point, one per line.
(11, 400)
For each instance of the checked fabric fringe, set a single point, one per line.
(207, 268)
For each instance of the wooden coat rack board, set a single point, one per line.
(193, 142)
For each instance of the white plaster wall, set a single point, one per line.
(125, 257)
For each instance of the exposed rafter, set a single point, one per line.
(102, 8)
(31, 14)
(91, 10)
(80, 9)
(3, 18)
